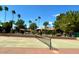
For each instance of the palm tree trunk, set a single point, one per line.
(12, 20)
(18, 18)
(39, 23)
(5, 16)
(12, 17)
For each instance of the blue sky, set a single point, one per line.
(31, 12)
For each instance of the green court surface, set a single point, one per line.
(35, 43)
(21, 42)
(63, 43)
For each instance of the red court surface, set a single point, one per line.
(69, 51)
(37, 51)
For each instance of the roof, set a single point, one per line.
(50, 28)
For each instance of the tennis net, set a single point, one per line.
(45, 40)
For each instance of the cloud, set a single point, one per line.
(27, 26)
(56, 15)
(50, 23)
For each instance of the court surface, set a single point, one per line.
(18, 45)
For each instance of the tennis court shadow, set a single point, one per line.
(46, 42)
(53, 48)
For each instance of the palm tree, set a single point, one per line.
(6, 9)
(39, 17)
(13, 12)
(1, 8)
(30, 21)
(45, 24)
(19, 16)
(36, 19)
(39, 20)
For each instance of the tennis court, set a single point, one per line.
(21, 42)
(65, 43)
(37, 45)
(23, 45)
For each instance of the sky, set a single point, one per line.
(31, 12)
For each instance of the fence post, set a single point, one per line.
(50, 44)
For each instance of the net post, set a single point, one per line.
(50, 44)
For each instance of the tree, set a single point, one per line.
(12, 21)
(19, 16)
(39, 19)
(45, 24)
(13, 12)
(36, 19)
(68, 21)
(6, 9)
(1, 8)
(33, 26)
(20, 25)
(30, 21)
(7, 26)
